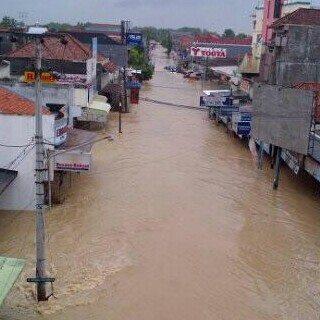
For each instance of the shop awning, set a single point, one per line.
(96, 111)
(100, 103)
(10, 270)
(70, 157)
(226, 70)
(6, 178)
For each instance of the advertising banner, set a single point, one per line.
(211, 53)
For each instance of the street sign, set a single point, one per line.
(46, 77)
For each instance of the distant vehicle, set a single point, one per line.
(171, 68)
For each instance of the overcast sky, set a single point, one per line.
(211, 14)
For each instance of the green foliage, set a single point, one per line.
(139, 61)
(57, 26)
(8, 22)
(242, 35)
(192, 30)
(228, 33)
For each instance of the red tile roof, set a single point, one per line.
(206, 38)
(212, 38)
(12, 103)
(110, 66)
(53, 49)
(186, 40)
(302, 16)
(237, 41)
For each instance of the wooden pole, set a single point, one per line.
(277, 169)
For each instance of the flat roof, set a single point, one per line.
(10, 270)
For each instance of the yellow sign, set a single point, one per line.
(46, 77)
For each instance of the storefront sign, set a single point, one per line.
(211, 53)
(46, 77)
(61, 131)
(134, 39)
(72, 161)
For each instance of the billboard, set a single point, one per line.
(211, 53)
(282, 116)
(134, 39)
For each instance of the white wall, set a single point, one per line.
(293, 6)
(257, 32)
(81, 97)
(19, 130)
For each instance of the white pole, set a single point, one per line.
(39, 181)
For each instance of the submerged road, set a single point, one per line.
(174, 222)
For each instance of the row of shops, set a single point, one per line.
(80, 87)
(277, 109)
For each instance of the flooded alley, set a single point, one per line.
(174, 222)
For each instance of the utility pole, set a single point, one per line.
(124, 105)
(40, 169)
(41, 280)
(277, 169)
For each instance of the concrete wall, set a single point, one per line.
(18, 130)
(282, 116)
(81, 97)
(59, 94)
(299, 59)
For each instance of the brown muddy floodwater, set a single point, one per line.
(173, 223)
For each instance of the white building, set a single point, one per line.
(17, 150)
(17, 127)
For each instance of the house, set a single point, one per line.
(265, 14)
(109, 46)
(290, 77)
(11, 39)
(275, 9)
(17, 148)
(17, 127)
(75, 69)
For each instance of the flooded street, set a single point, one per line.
(174, 222)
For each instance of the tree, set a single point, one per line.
(57, 26)
(242, 35)
(8, 22)
(139, 61)
(228, 33)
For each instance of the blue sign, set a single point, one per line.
(228, 110)
(134, 39)
(244, 128)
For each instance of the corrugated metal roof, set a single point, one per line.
(10, 270)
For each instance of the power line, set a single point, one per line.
(16, 146)
(173, 104)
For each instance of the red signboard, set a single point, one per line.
(46, 77)
(211, 53)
